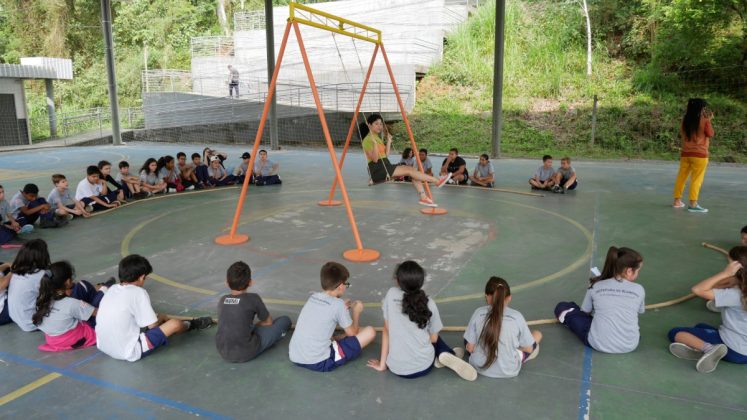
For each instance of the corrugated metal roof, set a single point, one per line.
(39, 68)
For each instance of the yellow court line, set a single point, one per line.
(28, 388)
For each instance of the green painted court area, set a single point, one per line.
(543, 245)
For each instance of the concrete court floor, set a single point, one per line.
(543, 246)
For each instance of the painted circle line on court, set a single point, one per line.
(125, 250)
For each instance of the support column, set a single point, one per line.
(50, 108)
(106, 27)
(500, 19)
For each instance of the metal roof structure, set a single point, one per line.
(39, 68)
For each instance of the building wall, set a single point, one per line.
(14, 128)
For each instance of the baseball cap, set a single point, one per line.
(214, 158)
(246, 155)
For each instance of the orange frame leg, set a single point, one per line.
(353, 123)
(433, 211)
(359, 254)
(233, 238)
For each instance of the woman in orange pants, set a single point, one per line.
(695, 132)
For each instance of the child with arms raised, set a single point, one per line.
(707, 344)
(410, 344)
(239, 339)
(615, 300)
(498, 337)
(311, 345)
(126, 308)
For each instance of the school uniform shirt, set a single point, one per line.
(216, 173)
(427, 165)
(455, 164)
(149, 178)
(55, 197)
(22, 293)
(16, 203)
(241, 169)
(236, 340)
(408, 162)
(115, 183)
(263, 169)
(733, 329)
(86, 189)
(123, 311)
(616, 305)
(119, 179)
(410, 348)
(566, 173)
(3, 298)
(484, 170)
(320, 315)
(514, 335)
(543, 174)
(171, 176)
(4, 212)
(64, 316)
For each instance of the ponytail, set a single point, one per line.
(410, 277)
(490, 336)
(51, 288)
(739, 253)
(617, 261)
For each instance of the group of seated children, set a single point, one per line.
(560, 181)
(482, 176)
(120, 320)
(99, 190)
(36, 294)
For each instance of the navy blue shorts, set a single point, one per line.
(709, 334)
(340, 352)
(150, 340)
(572, 187)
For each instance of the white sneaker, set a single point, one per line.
(70, 217)
(711, 306)
(458, 352)
(170, 190)
(534, 353)
(462, 368)
(683, 351)
(26, 229)
(89, 208)
(190, 188)
(709, 360)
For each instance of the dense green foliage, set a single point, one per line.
(645, 68)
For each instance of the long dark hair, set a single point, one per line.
(162, 161)
(491, 330)
(406, 153)
(146, 166)
(691, 120)
(739, 253)
(363, 129)
(410, 277)
(617, 261)
(32, 257)
(52, 288)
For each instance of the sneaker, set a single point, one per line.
(561, 317)
(70, 217)
(425, 201)
(697, 209)
(679, 206)
(709, 360)
(190, 188)
(200, 323)
(683, 351)
(89, 208)
(556, 189)
(711, 306)
(458, 352)
(534, 354)
(26, 229)
(444, 179)
(170, 190)
(462, 368)
(563, 190)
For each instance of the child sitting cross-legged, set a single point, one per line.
(60, 314)
(498, 337)
(126, 308)
(410, 344)
(90, 191)
(312, 345)
(239, 339)
(61, 200)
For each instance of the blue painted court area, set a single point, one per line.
(542, 245)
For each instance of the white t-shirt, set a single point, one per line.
(86, 189)
(733, 329)
(123, 311)
(410, 348)
(22, 293)
(616, 305)
(316, 324)
(514, 335)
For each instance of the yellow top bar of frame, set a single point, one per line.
(344, 26)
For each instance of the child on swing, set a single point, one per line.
(381, 169)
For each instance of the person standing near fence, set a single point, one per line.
(233, 81)
(695, 132)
